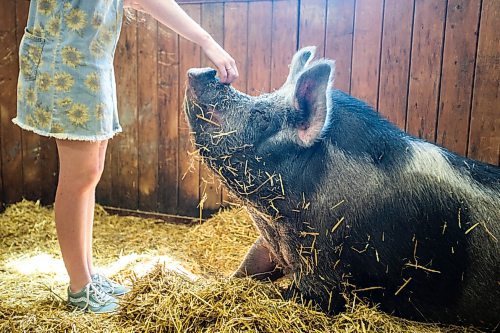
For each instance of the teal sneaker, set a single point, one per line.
(110, 287)
(92, 298)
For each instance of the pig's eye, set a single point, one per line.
(257, 110)
(265, 123)
(263, 118)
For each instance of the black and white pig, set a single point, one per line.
(347, 203)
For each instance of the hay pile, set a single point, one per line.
(177, 273)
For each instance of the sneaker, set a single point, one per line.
(92, 298)
(110, 287)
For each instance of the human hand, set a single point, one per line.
(172, 15)
(226, 66)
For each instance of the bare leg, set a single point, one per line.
(88, 234)
(91, 205)
(79, 174)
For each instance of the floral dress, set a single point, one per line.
(66, 87)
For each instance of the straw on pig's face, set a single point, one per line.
(234, 133)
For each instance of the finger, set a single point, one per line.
(222, 74)
(236, 73)
(233, 73)
(231, 76)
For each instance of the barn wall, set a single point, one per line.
(430, 66)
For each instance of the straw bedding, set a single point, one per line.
(178, 276)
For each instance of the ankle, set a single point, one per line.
(78, 286)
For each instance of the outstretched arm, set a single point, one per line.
(171, 14)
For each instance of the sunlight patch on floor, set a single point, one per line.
(139, 264)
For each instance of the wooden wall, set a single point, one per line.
(430, 66)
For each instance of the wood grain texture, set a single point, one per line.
(148, 119)
(395, 61)
(189, 191)
(425, 68)
(284, 39)
(312, 25)
(236, 39)
(259, 47)
(339, 39)
(212, 19)
(366, 50)
(123, 156)
(10, 135)
(217, 1)
(484, 137)
(457, 74)
(168, 108)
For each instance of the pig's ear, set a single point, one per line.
(299, 62)
(312, 99)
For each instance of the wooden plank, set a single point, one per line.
(189, 194)
(218, 1)
(457, 74)
(50, 170)
(210, 187)
(284, 39)
(339, 39)
(259, 47)
(168, 107)
(21, 17)
(31, 142)
(425, 68)
(148, 120)
(312, 25)
(124, 154)
(484, 137)
(236, 43)
(236, 39)
(103, 193)
(10, 146)
(395, 61)
(169, 218)
(366, 50)
(10, 134)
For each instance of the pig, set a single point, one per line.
(348, 204)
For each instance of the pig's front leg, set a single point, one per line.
(259, 264)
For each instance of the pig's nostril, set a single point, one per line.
(202, 73)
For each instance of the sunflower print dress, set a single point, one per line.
(66, 86)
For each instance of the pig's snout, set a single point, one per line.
(201, 76)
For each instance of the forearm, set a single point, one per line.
(171, 14)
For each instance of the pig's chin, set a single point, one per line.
(199, 116)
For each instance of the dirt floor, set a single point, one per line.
(178, 275)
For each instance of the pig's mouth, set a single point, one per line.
(199, 113)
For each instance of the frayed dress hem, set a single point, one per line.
(66, 136)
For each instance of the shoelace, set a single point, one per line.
(99, 295)
(101, 279)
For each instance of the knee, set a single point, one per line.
(81, 178)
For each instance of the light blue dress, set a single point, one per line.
(66, 87)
